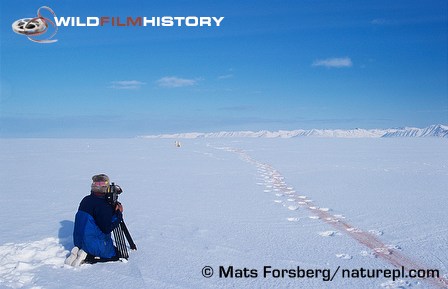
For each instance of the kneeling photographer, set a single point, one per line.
(98, 215)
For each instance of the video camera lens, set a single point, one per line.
(118, 189)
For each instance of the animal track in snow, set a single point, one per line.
(383, 250)
(370, 254)
(354, 230)
(271, 177)
(344, 256)
(328, 233)
(393, 247)
(331, 220)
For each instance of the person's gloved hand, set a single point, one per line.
(119, 207)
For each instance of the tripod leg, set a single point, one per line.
(123, 241)
(117, 240)
(120, 243)
(128, 235)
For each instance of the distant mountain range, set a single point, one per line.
(430, 131)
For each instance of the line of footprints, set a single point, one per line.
(274, 183)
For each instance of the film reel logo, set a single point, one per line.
(32, 27)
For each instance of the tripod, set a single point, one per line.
(120, 232)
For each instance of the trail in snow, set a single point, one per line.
(275, 183)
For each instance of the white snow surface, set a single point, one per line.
(430, 131)
(313, 203)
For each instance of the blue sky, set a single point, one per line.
(270, 65)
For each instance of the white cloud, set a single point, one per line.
(226, 76)
(334, 62)
(173, 81)
(127, 84)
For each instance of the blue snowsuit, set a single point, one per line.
(94, 223)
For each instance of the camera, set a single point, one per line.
(112, 194)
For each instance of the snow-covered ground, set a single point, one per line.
(316, 203)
